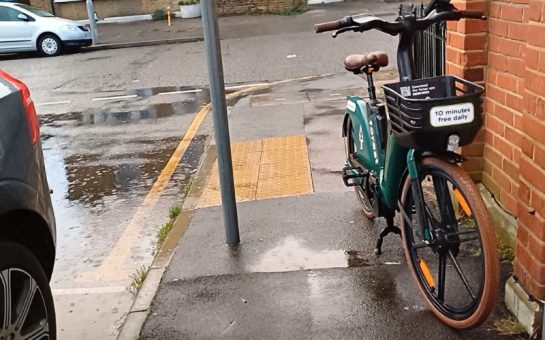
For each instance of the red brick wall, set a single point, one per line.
(466, 58)
(504, 99)
(513, 144)
(530, 252)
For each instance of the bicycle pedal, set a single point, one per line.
(351, 180)
(352, 176)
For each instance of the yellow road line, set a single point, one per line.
(115, 260)
(176, 157)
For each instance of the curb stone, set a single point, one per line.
(101, 47)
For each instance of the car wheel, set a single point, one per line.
(49, 45)
(26, 304)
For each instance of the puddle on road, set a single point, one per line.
(93, 177)
(292, 254)
(93, 117)
(94, 196)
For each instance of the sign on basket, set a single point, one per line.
(452, 114)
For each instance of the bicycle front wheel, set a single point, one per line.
(454, 260)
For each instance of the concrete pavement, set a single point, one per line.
(305, 267)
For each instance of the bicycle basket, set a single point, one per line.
(423, 113)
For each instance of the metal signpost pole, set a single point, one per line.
(221, 124)
(92, 21)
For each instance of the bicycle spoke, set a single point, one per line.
(442, 276)
(461, 274)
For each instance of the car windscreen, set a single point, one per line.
(35, 11)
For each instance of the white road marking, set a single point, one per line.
(54, 103)
(89, 290)
(236, 87)
(179, 92)
(114, 98)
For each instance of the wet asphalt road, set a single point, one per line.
(108, 129)
(254, 50)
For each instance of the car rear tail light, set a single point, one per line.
(30, 109)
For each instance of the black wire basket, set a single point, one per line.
(423, 113)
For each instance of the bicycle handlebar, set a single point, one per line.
(333, 25)
(364, 22)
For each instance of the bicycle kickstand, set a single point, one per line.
(390, 228)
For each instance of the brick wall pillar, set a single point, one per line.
(466, 56)
(529, 264)
(42, 4)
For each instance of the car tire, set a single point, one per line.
(24, 289)
(49, 45)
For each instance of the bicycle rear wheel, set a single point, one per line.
(454, 262)
(363, 191)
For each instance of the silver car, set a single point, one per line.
(25, 28)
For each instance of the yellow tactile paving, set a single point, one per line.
(265, 168)
(284, 143)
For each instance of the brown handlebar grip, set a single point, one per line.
(327, 26)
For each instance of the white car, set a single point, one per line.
(25, 28)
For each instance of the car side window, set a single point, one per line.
(9, 14)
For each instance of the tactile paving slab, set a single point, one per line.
(264, 168)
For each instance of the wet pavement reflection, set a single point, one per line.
(292, 254)
(153, 112)
(101, 163)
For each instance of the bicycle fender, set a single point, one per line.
(413, 156)
(448, 156)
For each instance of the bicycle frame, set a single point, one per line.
(392, 162)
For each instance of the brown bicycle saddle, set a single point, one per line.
(356, 62)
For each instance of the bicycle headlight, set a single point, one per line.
(453, 142)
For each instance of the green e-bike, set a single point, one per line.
(402, 156)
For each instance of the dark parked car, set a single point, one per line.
(27, 224)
